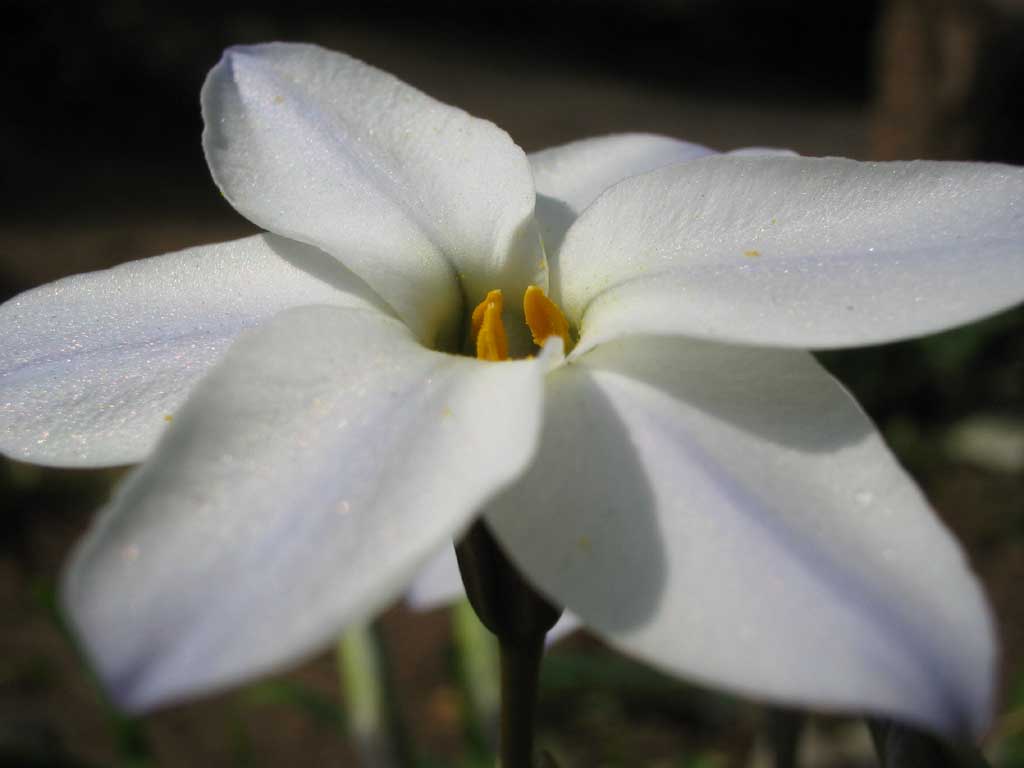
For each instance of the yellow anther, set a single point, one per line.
(477, 319)
(544, 317)
(488, 330)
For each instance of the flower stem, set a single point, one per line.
(510, 608)
(785, 726)
(373, 717)
(520, 677)
(900, 746)
(477, 654)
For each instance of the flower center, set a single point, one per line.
(543, 318)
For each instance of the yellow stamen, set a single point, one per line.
(477, 318)
(544, 317)
(488, 330)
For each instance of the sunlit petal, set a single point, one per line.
(307, 479)
(94, 367)
(801, 252)
(429, 205)
(730, 514)
(570, 177)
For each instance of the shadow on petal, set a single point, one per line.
(554, 217)
(327, 268)
(716, 379)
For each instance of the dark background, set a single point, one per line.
(102, 163)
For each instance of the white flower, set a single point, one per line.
(687, 480)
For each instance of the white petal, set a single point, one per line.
(794, 251)
(93, 366)
(762, 152)
(301, 487)
(731, 515)
(567, 624)
(570, 177)
(438, 583)
(414, 196)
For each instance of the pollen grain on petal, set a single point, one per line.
(543, 317)
(489, 330)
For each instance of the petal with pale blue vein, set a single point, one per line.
(429, 205)
(93, 367)
(730, 515)
(302, 486)
(796, 252)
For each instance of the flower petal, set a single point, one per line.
(432, 207)
(303, 484)
(570, 177)
(439, 584)
(762, 152)
(793, 251)
(92, 367)
(730, 514)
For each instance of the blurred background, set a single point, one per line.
(102, 163)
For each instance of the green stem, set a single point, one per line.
(785, 725)
(374, 720)
(510, 608)
(477, 655)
